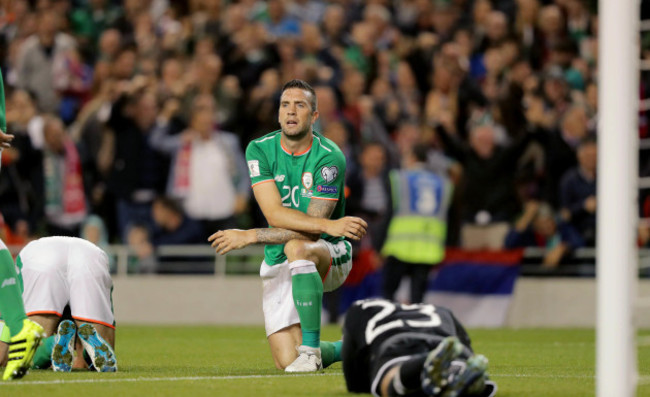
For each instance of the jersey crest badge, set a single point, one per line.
(329, 173)
(254, 168)
(307, 180)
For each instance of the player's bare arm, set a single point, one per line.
(317, 209)
(5, 139)
(225, 241)
(278, 216)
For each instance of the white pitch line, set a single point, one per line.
(540, 376)
(643, 379)
(143, 379)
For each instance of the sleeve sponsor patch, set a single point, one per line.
(254, 168)
(329, 173)
(327, 189)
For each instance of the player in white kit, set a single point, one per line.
(60, 271)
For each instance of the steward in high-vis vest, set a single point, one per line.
(418, 228)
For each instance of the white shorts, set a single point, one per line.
(67, 270)
(277, 296)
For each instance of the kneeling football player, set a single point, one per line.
(60, 271)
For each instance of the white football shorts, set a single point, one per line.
(67, 270)
(277, 296)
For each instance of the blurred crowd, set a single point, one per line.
(132, 116)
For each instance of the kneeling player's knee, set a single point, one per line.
(297, 249)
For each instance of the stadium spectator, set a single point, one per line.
(65, 206)
(137, 174)
(263, 97)
(226, 92)
(313, 50)
(453, 93)
(89, 21)
(38, 54)
(72, 81)
(142, 258)
(96, 144)
(23, 116)
(552, 28)
(172, 82)
(307, 10)
(369, 192)
(556, 90)
(172, 226)
(329, 108)
(277, 21)
(352, 87)
(417, 232)
(108, 45)
(21, 183)
(538, 227)
(485, 212)
(578, 192)
(496, 31)
(203, 147)
(527, 31)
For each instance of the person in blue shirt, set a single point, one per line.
(539, 227)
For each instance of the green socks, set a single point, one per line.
(43, 355)
(307, 289)
(330, 352)
(11, 299)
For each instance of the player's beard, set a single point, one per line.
(297, 135)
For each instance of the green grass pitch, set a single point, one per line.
(234, 361)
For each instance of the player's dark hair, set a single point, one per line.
(303, 85)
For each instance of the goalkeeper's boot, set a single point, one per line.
(471, 380)
(436, 369)
(100, 352)
(309, 360)
(63, 351)
(22, 347)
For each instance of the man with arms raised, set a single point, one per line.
(298, 181)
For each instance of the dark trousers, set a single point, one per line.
(395, 270)
(130, 213)
(54, 230)
(211, 226)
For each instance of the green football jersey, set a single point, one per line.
(317, 173)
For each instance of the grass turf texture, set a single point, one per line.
(235, 361)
